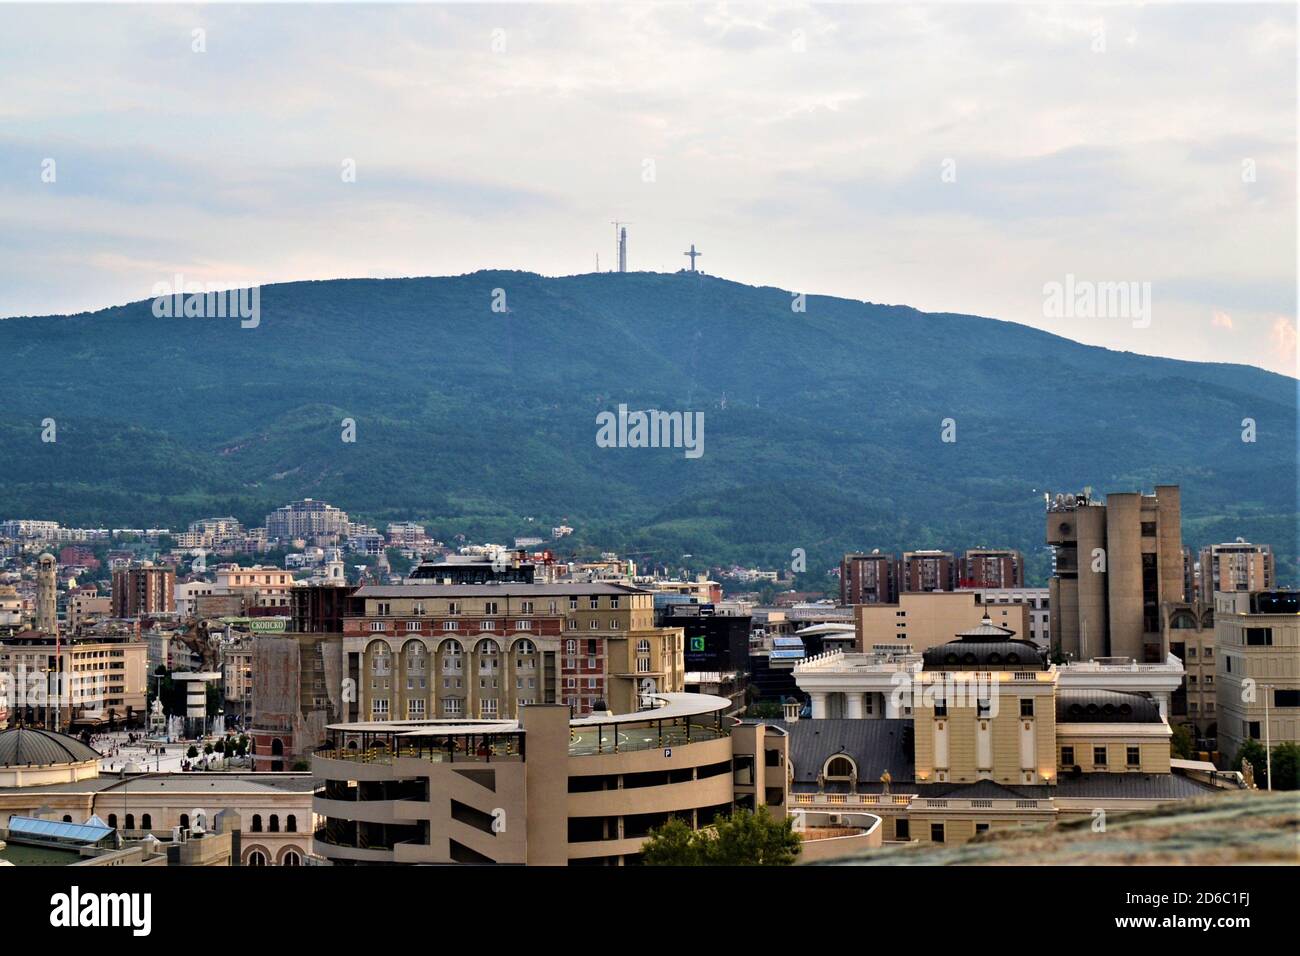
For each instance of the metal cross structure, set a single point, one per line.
(692, 255)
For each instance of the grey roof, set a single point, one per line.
(423, 589)
(874, 745)
(1132, 786)
(984, 790)
(985, 653)
(1076, 706)
(27, 746)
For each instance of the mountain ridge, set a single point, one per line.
(473, 420)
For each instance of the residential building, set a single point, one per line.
(1117, 562)
(307, 519)
(259, 586)
(143, 589)
(1235, 566)
(1257, 668)
(992, 568)
(1039, 602)
(1189, 635)
(869, 578)
(929, 571)
(90, 682)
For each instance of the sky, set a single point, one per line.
(960, 158)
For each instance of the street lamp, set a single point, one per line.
(1268, 751)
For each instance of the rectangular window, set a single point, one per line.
(981, 828)
(1067, 756)
(936, 832)
(450, 625)
(595, 604)
(1132, 757)
(1259, 637)
(385, 608)
(1099, 756)
(902, 829)
(573, 604)
(376, 625)
(982, 708)
(1253, 730)
(941, 708)
(1026, 707)
(412, 625)
(1286, 698)
(613, 604)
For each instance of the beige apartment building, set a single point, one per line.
(921, 620)
(84, 606)
(1235, 566)
(1117, 562)
(258, 586)
(1257, 651)
(102, 681)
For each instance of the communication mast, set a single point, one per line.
(620, 242)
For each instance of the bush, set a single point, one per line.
(192, 752)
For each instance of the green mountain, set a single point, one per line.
(822, 429)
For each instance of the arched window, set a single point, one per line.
(130, 821)
(185, 821)
(275, 824)
(146, 822)
(643, 646)
(257, 823)
(840, 767)
(256, 858)
(291, 858)
(67, 819)
(291, 824)
(112, 820)
(417, 659)
(524, 647)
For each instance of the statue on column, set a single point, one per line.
(821, 782)
(1248, 773)
(853, 780)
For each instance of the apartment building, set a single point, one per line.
(992, 568)
(82, 683)
(1117, 562)
(1235, 566)
(1257, 668)
(929, 571)
(869, 578)
(307, 519)
(142, 589)
(258, 586)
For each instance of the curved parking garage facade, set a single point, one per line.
(540, 790)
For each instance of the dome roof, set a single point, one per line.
(24, 746)
(1078, 706)
(985, 647)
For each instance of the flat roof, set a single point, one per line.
(673, 707)
(433, 589)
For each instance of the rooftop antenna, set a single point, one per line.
(692, 254)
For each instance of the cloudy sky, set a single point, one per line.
(953, 158)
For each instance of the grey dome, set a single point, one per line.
(26, 746)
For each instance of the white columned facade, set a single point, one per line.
(818, 705)
(853, 705)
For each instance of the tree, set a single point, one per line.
(192, 752)
(1286, 766)
(753, 839)
(743, 839)
(1253, 751)
(673, 844)
(1180, 745)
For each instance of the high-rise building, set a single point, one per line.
(1116, 563)
(1257, 670)
(869, 578)
(992, 568)
(306, 519)
(47, 594)
(1235, 566)
(143, 589)
(929, 571)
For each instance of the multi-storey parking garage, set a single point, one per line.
(543, 789)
